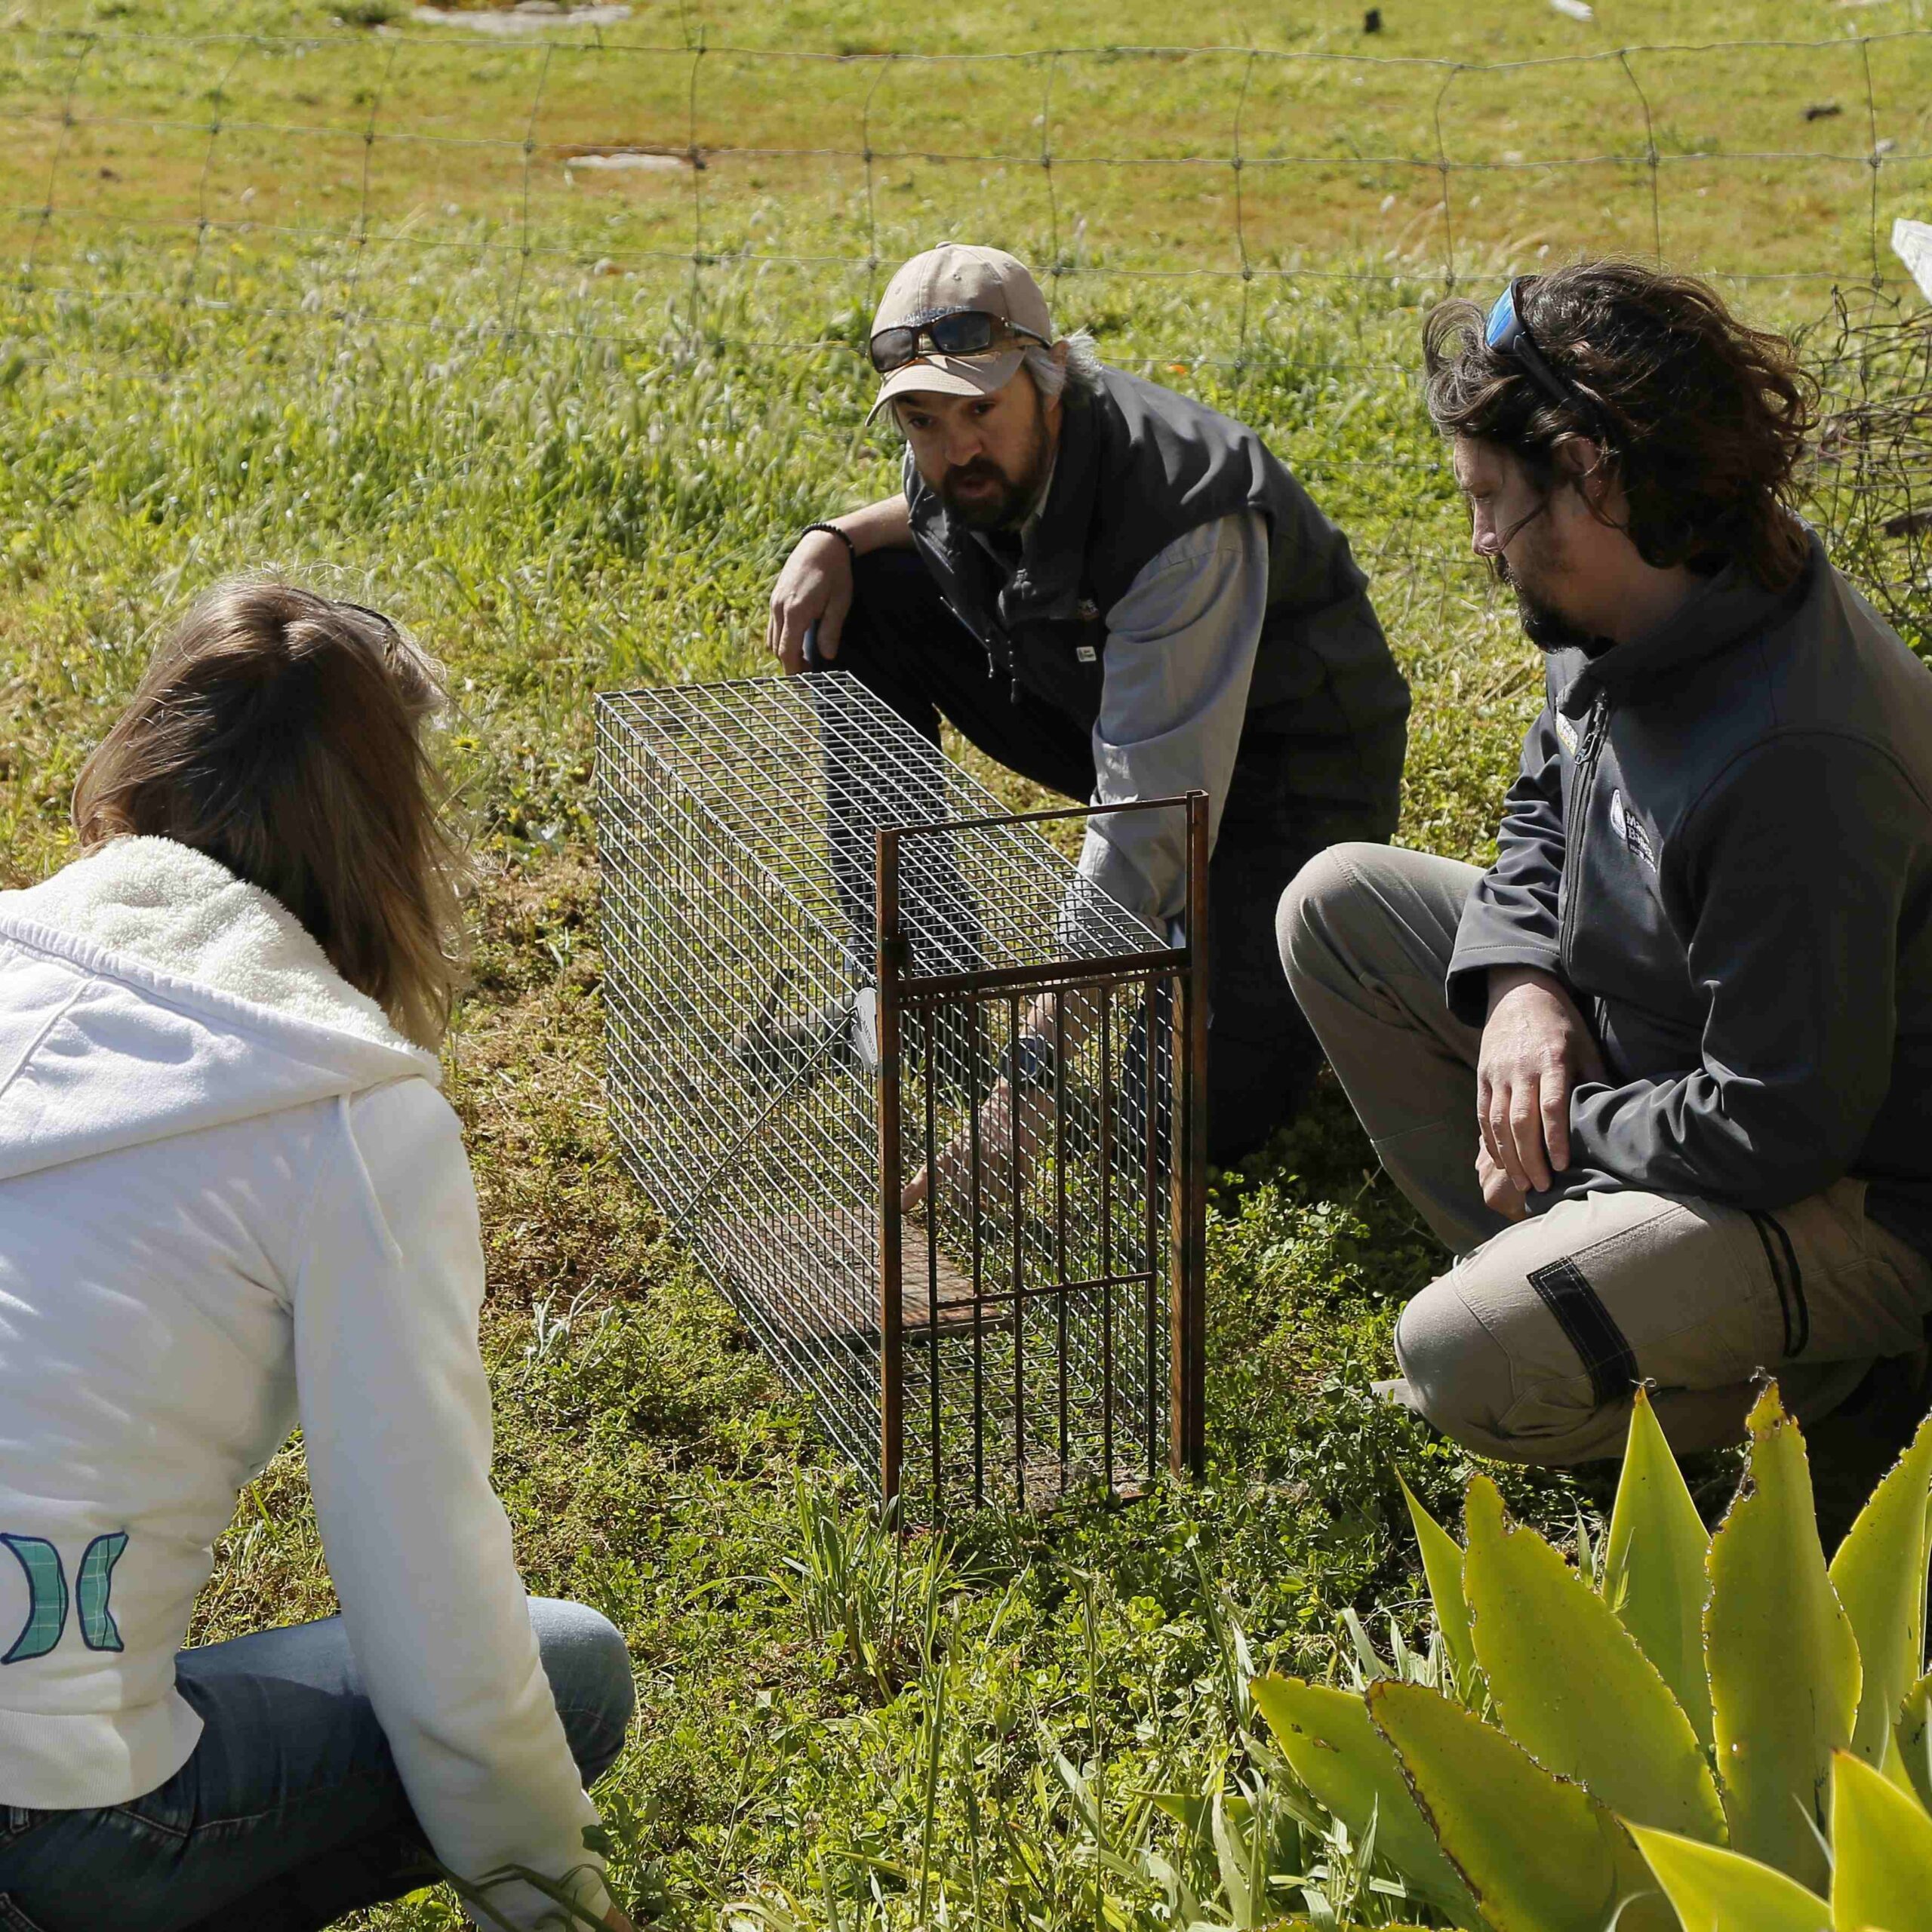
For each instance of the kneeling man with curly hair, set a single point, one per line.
(1661, 1076)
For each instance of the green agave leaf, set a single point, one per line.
(1325, 1734)
(1784, 1664)
(1182, 1806)
(1442, 1564)
(1192, 1812)
(1879, 1575)
(1539, 1854)
(1716, 1890)
(1881, 1851)
(1571, 1686)
(1912, 1760)
(1654, 1574)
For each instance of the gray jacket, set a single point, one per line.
(1721, 838)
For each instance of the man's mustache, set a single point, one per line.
(981, 469)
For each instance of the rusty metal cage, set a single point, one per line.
(823, 943)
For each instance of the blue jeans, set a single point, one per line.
(289, 1814)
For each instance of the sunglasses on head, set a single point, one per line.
(391, 637)
(955, 332)
(1507, 333)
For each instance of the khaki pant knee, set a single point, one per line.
(1462, 1380)
(1316, 905)
(1458, 1374)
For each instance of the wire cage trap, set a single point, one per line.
(824, 947)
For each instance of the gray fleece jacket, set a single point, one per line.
(1720, 837)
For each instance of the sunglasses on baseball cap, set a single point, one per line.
(952, 332)
(956, 321)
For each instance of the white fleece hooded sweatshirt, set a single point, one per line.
(231, 1198)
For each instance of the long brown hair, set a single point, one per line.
(281, 733)
(1702, 420)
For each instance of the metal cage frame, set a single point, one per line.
(1034, 1327)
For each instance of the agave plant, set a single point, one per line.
(1713, 1731)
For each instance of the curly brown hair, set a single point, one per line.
(1701, 419)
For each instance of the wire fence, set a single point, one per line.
(1211, 211)
(332, 175)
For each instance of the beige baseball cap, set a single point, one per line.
(942, 281)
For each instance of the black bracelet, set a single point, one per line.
(832, 530)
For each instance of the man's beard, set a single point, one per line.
(1543, 624)
(1010, 502)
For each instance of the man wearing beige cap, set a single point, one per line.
(1119, 593)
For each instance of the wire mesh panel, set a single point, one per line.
(921, 1098)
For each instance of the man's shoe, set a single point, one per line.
(842, 1034)
(1397, 1393)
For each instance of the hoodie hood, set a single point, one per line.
(145, 991)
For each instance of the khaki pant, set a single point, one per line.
(1527, 1349)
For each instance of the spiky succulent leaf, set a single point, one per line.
(1347, 1764)
(1912, 1733)
(1882, 1852)
(1717, 1891)
(1539, 1854)
(1879, 1575)
(1442, 1564)
(1783, 1662)
(1654, 1574)
(1571, 1686)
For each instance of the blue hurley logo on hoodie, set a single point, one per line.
(46, 1595)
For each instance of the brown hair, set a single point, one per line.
(281, 733)
(1702, 420)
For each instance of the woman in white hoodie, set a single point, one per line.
(231, 1198)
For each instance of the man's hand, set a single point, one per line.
(1537, 1049)
(1005, 1159)
(815, 587)
(1501, 1194)
(617, 1922)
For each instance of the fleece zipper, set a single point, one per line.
(1595, 727)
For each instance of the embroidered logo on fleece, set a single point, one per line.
(1630, 829)
(1566, 733)
(46, 1595)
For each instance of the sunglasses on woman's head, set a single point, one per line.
(391, 637)
(956, 332)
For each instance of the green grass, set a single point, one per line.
(566, 478)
